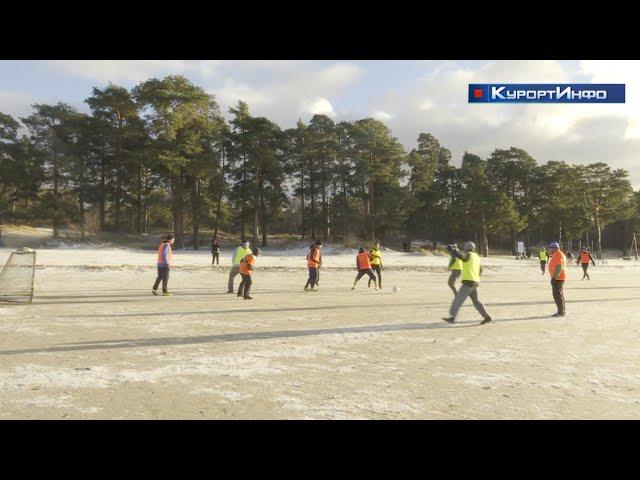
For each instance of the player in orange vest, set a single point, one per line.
(246, 270)
(165, 259)
(363, 264)
(558, 272)
(314, 260)
(583, 259)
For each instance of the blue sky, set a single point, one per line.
(409, 96)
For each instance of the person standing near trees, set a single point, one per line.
(543, 256)
(314, 260)
(584, 258)
(164, 261)
(376, 263)
(215, 251)
(238, 254)
(558, 272)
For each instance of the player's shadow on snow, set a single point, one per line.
(261, 310)
(236, 337)
(578, 288)
(421, 305)
(130, 297)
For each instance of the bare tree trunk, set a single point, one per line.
(263, 208)
(102, 189)
(302, 224)
(256, 204)
(139, 200)
(118, 182)
(485, 238)
(56, 196)
(560, 232)
(599, 237)
(180, 204)
(345, 211)
(313, 211)
(195, 208)
(325, 219)
(371, 219)
(221, 188)
(244, 190)
(178, 209)
(81, 187)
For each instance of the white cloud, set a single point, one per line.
(288, 90)
(130, 71)
(580, 133)
(319, 106)
(16, 104)
(427, 105)
(232, 91)
(382, 116)
(628, 72)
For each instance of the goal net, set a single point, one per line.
(17, 276)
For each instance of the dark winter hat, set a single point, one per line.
(317, 242)
(169, 237)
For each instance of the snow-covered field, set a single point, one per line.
(96, 344)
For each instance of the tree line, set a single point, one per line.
(161, 155)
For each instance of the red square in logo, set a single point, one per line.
(477, 93)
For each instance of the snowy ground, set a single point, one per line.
(96, 344)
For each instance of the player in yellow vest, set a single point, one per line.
(543, 256)
(471, 270)
(455, 265)
(376, 263)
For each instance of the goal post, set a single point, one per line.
(17, 276)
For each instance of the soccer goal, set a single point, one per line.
(17, 277)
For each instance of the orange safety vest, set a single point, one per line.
(161, 249)
(313, 258)
(245, 262)
(584, 257)
(558, 258)
(363, 261)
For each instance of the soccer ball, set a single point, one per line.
(396, 289)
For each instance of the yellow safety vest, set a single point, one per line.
(543, 255)
(242, 252)
(376, 256)
(471, 268)
(457, 265)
